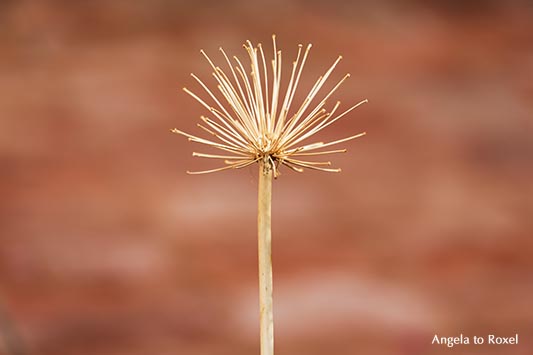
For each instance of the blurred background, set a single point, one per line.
(108, 247)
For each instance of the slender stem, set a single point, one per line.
(266, 318)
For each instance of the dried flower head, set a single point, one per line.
(255, 121)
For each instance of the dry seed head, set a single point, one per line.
(253, 119)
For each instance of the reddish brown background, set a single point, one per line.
(107, 246)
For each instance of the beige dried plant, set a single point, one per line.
(254, 122)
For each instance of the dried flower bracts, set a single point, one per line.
(253, 118)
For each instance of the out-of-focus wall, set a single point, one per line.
(108, 247)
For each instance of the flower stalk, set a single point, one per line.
(264, 234)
